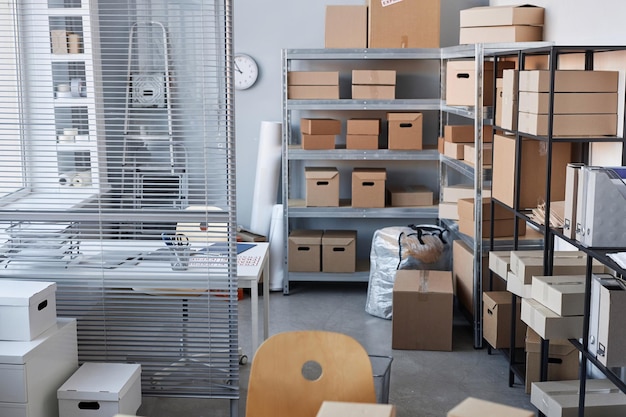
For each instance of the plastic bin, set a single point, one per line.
(381, 368)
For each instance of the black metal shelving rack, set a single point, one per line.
(553, 53)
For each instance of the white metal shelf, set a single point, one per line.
(295, 152)
(349, 104)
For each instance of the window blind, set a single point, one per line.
(117, 180)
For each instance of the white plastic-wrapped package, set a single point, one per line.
(402, 247)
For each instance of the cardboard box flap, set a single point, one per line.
(492, 299)
(429, 282)
(524, 14)
(474, 407)
(403, 117)
(560, 347)
(338, 237)
(25, 293)
(306, 237)
(312, 173)
(351, 409)
(370, 174)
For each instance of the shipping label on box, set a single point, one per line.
(320, 126)
(322, 186)
(422, 310)
(368, 187)
(549, 325)
(373, 77)
(404, 131)
(339, 251)
(502, 16)
(563, 294)
(305, 250)
(345, 26)
(569, 81)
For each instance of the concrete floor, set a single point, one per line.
(423, 383)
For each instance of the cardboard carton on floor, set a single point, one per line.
(305, 248)
(474, 407)
(562, 359)
(349, 409)
(422, 310)
(345, 26)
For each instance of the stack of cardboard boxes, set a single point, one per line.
(501, 24)
(362, 133)
(458, 143)
(319, 133)
(322, 250)
(313, 85)
(374, 84)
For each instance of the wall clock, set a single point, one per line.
(246, 71)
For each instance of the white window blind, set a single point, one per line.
(117, 180)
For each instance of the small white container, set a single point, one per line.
(101, 390)
(27, 309)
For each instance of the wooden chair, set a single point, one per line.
(292, 373)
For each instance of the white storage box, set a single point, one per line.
(563, 294)
(560, 398)
(549, 325)
(101, 390)
(27, 309)
(32, 371)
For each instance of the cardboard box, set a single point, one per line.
(469, 153)
(503, 222)
(461, 82)
(497, 320)
(422, 310)
(361, 141)
(373, 77)
(452, 193)
(465, 133)
(349, 409)
(502, 16)
(112, 388)
(532, 171)
(474, 407)
(405, 130)
(568, 103)
(319, 78)
(486, 34)
(568, 124)
(322, 186)
(569, 81)
(404, 24)
(463, 275)
(368, 187)
(528, 263)
(378, 92)
(27, 309)
(317, 142)
(440, 144)
(549, 325)
(498, 109)
(562, 360)
(363, 126)
(448, 211)
(509, 99)
(58, 39)
(345, 26)
(563, 294)
(305, 250)
(313, 92)
(339, 251)
(500, 263)
(454, 150)
(320, 126)
(516, 286)
(560, 398)
(410, 196)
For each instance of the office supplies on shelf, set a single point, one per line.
(179, 248)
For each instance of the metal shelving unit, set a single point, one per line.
(295, 158)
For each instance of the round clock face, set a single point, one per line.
(246, 71)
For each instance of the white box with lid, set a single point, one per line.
(32, 371)
(101, 390)
(27, 309)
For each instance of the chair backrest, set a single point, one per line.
(292, 373)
